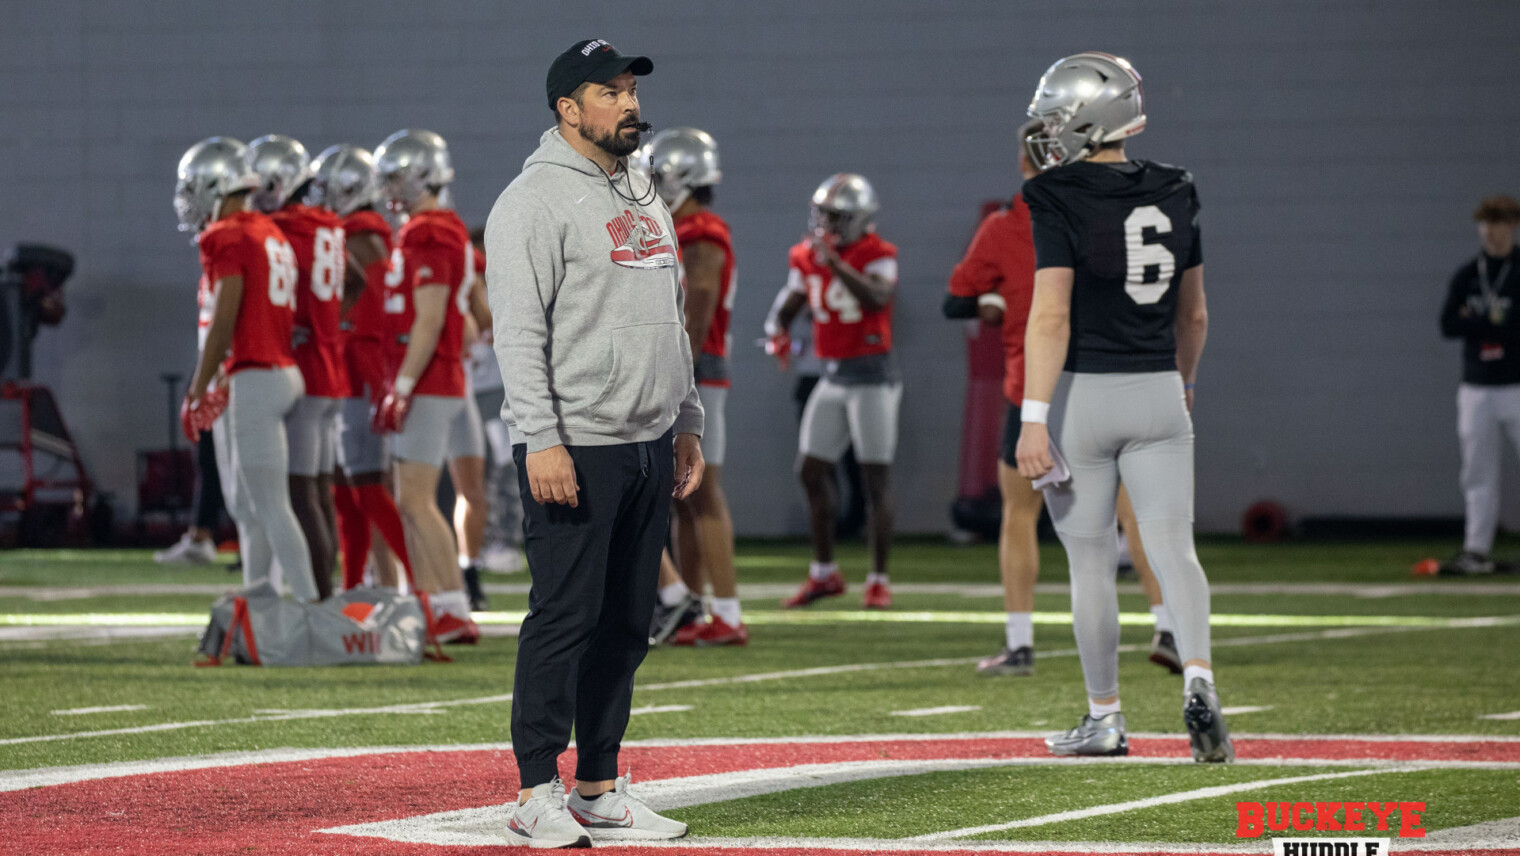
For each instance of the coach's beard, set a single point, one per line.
(616, 142)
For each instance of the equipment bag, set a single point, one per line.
(255, 626)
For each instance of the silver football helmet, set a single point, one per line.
(681, 159)
(410, 163)
(638, 162)
(343, 180)
(209, 172)
(282, 165)
(845, 207)
(1084, 101)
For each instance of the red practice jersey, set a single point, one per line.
(250, 245)
(316, 235)
(707, 227)
(842, 327)
(434, 247)
(1000, 261)
(367, 320)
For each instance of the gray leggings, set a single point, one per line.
(1135, 427)
(253, 454)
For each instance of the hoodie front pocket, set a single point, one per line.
(650, 376)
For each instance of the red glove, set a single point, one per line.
(390, 414)
(197, 414)
(780, 347)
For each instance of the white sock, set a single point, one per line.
(1098, 711)
(727, 609)
(672, 594)
(1191, 672)
(873, 578)
(821, 570)
(468, 562)
(453, 603)
(1163, 618)
(1124, 555)
(1020, 630)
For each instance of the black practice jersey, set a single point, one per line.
(1128, 230)
(1480, 310)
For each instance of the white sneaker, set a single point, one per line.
(620, 816)
(187, 551)
(542, 822)
(503, 560)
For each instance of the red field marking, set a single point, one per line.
(276, 808)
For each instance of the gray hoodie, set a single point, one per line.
(586, 292)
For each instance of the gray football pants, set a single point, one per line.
(253, 457)
(1133, 427)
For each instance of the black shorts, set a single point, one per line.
(1012, 423)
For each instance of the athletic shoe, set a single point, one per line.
(1018, 663)
(1164, 652)
(453, 630)
(1101, 736)
(1207, 732)
(618, 815)
(543, 822)
(878, 596)
(478, 602)
(718, 632)
(668, 620)
(812, 590)
(1467, 564)
(187, 551)
(501, 559)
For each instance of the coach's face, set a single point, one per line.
(1497, 237)
(609, 115)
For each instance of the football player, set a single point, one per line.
(995, 282)
(467, 451)
(344, 182)
(248, 288)
(1119, 303)
(684, 167)
(316, 234)
(431, 274)
(847, 275)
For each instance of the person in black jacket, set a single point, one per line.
(1480, 311)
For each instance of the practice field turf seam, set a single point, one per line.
(697, 683)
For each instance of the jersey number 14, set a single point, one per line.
(1148, 267)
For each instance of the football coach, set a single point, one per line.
(605, 423)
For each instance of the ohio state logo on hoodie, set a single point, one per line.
(640, 242)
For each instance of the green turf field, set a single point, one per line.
(1334, 639)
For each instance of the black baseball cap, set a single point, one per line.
(591, 60)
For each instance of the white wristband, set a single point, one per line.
(405, 385)
(1034, 411)
(992, 298)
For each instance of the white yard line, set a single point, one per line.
(767, 591)
(730, 680)
(115, 708)
(660, 708)
(1514, 714)
(1151, 802)
(1246, 708)
(937, 711)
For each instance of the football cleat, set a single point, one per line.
(478, 602)
(618, 815)
(453, 630)
(669, 620)
(543, 822)
(1018, 663)
(812, 590)
(1467, 564)
(712, 634)
(187, 551)
(1164, 652)
(1101, 736)
(1207, 732)
(877, 596)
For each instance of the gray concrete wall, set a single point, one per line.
(1339, 149)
